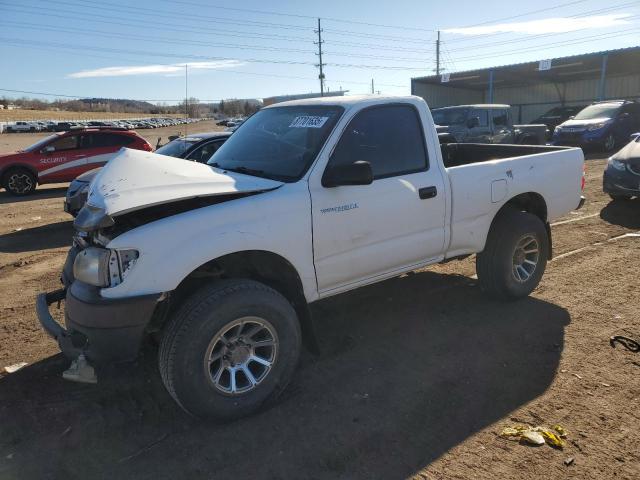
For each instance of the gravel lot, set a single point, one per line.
(417, 377)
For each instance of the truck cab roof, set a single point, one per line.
(477, 105)
(351, 100)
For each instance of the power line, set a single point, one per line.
(16, 42)
(166, 26)
(172, 15)
(620, 33)
(146, 38)
(519, 40)
(332, 19)
(532, 12)
(578, 15)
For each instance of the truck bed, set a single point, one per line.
(458, 154)
(483, 177)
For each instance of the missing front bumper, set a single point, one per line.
(103, 330)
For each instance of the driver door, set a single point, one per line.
(364, 232)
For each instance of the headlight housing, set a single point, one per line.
(617, 164)
(103, 267)
(597, 126)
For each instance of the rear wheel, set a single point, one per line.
(230, 349)
(515, 256)
(19, 182)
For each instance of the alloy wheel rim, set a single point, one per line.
(241, 355)
(525, 258)
(20, 183)
(610, 142)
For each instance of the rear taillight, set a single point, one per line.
(148, 148)
(584, 172)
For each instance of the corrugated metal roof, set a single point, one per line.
(593, 57)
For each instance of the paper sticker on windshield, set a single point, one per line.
(308, 121)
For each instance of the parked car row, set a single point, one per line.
(129, 124)
(602, 125)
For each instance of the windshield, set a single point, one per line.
(603, 110)
(450, 116)
(40, 143)
(278, 143)
(177, 147)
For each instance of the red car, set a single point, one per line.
(63, 156)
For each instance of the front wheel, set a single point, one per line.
(230, 349)
(609, 143)
(515, 255)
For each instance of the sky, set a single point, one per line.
(255, 49)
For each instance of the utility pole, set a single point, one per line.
(372, 90)
(186, 97)
(319, 43)
(438, 54)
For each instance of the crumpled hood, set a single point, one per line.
(135, 179)
(584, 123)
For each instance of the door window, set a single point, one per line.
(483, 116)
(66, 143)
(105, 140)
(390, 138)
(499, 117)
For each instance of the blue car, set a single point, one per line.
(602, 125)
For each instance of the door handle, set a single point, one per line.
(427, 192)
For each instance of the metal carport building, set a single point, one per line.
(532, 88)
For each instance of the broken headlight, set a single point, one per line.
(104, 267)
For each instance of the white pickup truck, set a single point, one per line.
(306, 200)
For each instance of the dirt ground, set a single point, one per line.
(417, 375)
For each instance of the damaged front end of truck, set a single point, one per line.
(134, 189)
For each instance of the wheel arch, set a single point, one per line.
(13, 166)
(262, 266)
(530, 202)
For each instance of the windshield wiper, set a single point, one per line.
(246, 170)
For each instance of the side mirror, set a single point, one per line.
(473, 122)
(357, 173)
(48, 149)
(634, 136)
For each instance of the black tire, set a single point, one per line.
(19, 182)
(185, 345)
(609, 144)
(495, 266)
(616, 197)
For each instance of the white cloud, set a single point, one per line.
(169, 70)
(547, 25)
